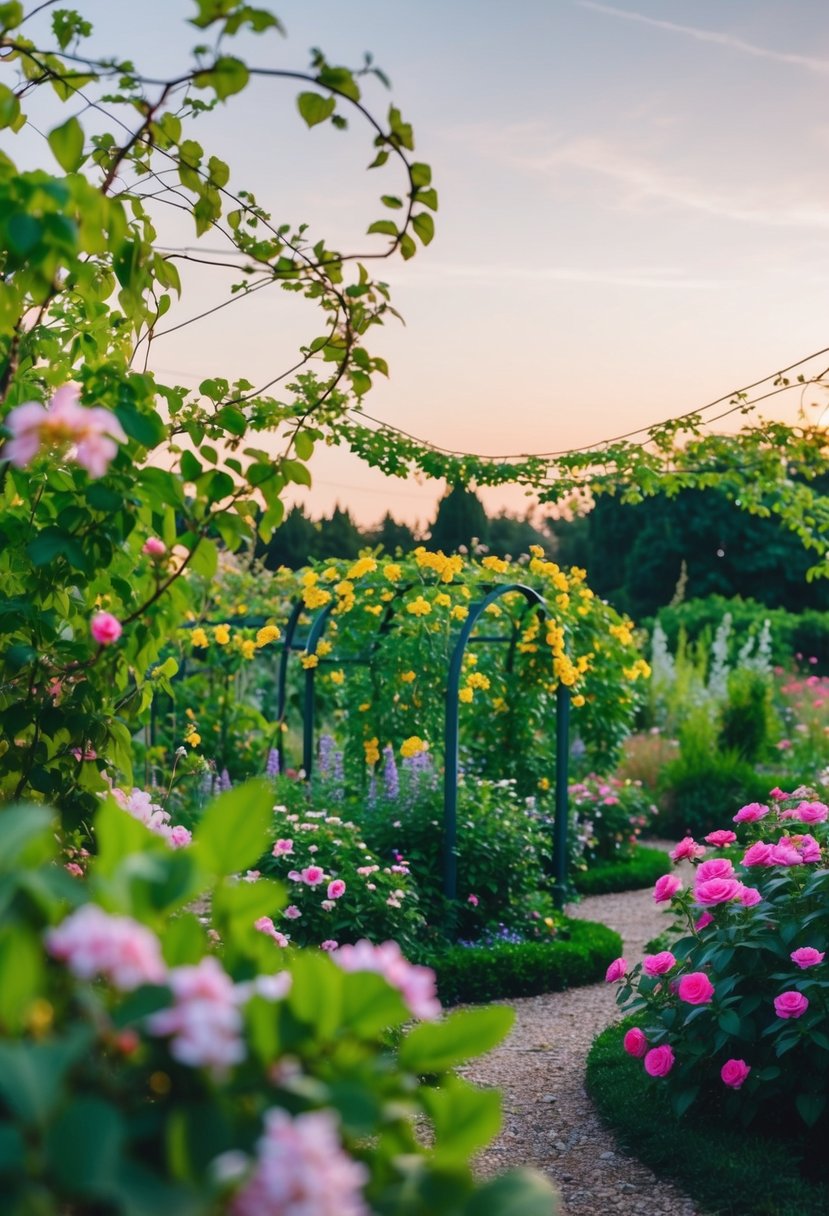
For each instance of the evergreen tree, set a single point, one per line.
(461, 518)
(512, 535)
(292, 543)
(392, 536)
(339, 536)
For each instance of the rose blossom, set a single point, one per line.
(204, 1024)
(784, 853)
(616, 970)
(665, 887)
(105, 628)
(717, 891)
(703, 921)
(266, 925)
(336, 888)
(721, 838)
(790, 1004)
(329, 944)
(758, 854)
(92, 432)
(807, 956)
(807, 847)
(750, 813)
(658, 964)
(313, 875)
(687, 848)
(808, 812)
(416, 984)
(292, 912)
(734, 1073)
(695, 988)
(718, 867)
(659, 1061)
(153, 547)
(283, 847)
(635, 1043)
(749, 896)
(92, 943)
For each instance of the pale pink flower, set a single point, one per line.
(312, 876)
(292, 912)
(790, 1004)
(665, 888)
(695, 988)
(283, 848)
(154, 547)
(659, 1061)
(92, 943)
(721, 838)
(302, 1170)
(718, 867)
(92, 432)
(105, 628)
(615, 971)
(751, 813)
(336, 889)
(658, 964)
(295, 876)
(328, 905)
(687, 849)
(269, 987)
(471, 899)
(808, 812)
(416, 984)
(265, 925)
(204, 1024)
(635, 1043)
(717, 891)
(179, 836)
(329, 944)
(807, 956)
(74, 869)
(734, 1073)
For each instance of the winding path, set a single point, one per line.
(549, 1121)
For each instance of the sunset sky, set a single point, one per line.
(634, 212)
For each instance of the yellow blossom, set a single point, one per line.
(372, 750)
(194, 738)
(338, 676)
(189, 713)
(392, 572)
(496, 564)
(544, 783)
(222, 634)
(385, 596)
(578, 700)
(267, 634)
(477, 679)
(309, 577)
(493, 609)
(443, 599)
(324, 647)
(408, 676)
(374, 609)
(199, 638)
(309, 660)
(460, 612)
(247, 648)
(364, 708)
(331, 574)
(363, 565)
(465, 695)
(622, 633)
(413, 746)
(241, 609)
(344, 587)
(315, 597)
(419, 607)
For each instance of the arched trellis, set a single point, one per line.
(536, 602)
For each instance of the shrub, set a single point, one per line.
(644, 757)
(148, 1070)
(746, 715)
(610, 814)
(640, 869)
(715, 1160)
(735, 1011)
(580, 954)
(695, 789)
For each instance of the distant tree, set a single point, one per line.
(339, 536)
(460, 519)
(393, 536)
(511, 535)
(293, 542)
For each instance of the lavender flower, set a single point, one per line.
(225, 783)
(391, 780)
(272, 767)
(326, 754)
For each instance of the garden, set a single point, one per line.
(287, 854)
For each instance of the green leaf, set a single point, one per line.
(66, 142)
(31, 1075)
(317, 992)
(465, 1118)
(424, 226)
(11, 15)
(429, 198)
(20, 828)
(191, 468)
(518, 1193)
(407, 246)
(294, 470)
(810, 1107)
(437, 1046)
(233, 832)
(304, 445)
(9, 107)
(387, 227)
(21, 975)
(421, 174)
(227, 76)
(391, 201)
(371, 1005)
(729, 1021)
(84, 1146)
(147, 429)
(314, 108)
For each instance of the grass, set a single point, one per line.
(641, 870)
(579, 955)
(730, 1171)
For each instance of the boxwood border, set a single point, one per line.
(640, 870)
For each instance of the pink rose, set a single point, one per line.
(336, 888)
(784, 853)
(777, 794)
(687, 849)
(807, 847)
(807, 956)
(665, 888)
(283, 848)
(790, 1004)
(734, 1073)
(721, 838)
(105, 628)
(312, 876)
(703, 922)
(329, 945)
(659, 1061)
(696, 988)
(635, 1043)
(758, 854)
(749, 896)
(658, 964)
(615, 971)
(718, 867)
(153, 547)
(292, 912)
(717, 891)
(180, 837)
(750, 813)
(472, 899)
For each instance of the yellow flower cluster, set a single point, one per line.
(309, 660)
(465, 695)
(476, 679)
(363, 565)
(413, 746)
(622, 633)
(316, 597)
(199, 638)
(392, 572)
(372, 750)
(191, 735)
(639, 668)
(445, 567)
(408, 676)
(266, 635)
(419, 607)
(338, 676)
(496, 564)
(221, 635)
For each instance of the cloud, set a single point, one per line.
(713, 36)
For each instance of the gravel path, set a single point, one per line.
(549, 1121)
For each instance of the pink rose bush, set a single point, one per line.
(740, 1000)
(89, 437)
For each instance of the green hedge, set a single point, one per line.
(724, 1168)
(476, 974)
(640, 870)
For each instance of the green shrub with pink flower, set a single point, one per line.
(734, 1013)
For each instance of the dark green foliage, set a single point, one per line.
(728, 1170)
(293, 542)
(392, 536)
(338, 536)
(513, 969)
(745, 717)
(460, 519)
(510, 535)
(696, 791)
(640, 870)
